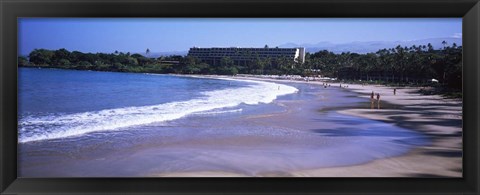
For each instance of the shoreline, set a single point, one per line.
(430, 115)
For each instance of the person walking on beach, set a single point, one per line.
(378, 100)
(372, 100)
(394, 91)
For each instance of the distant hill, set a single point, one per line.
(371, 46)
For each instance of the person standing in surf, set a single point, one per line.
(378, 100)
(372, 100)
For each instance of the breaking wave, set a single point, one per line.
(56, 126)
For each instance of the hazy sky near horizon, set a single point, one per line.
(179, 34)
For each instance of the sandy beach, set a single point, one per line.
(438, 118)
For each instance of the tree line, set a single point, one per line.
(115, 62)
(415, 64)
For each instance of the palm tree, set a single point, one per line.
(444, 43)
(430, 47)
(147, 52)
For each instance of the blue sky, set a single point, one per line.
(179, 34)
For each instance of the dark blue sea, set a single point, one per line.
(55, 103)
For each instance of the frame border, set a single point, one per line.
(11, 10)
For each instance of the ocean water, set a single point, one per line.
(55, 104)
(103, 124)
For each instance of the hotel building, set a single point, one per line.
(243, 55)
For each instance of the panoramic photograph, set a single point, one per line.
(240, 97)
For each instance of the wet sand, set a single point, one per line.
(434, 116)
(300, 138)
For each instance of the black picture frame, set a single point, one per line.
(12, 9)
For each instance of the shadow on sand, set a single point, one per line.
(401, 116)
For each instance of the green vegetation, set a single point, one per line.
(416, 65)
(399, 66)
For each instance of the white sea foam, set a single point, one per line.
(214, 112)
(54, 126)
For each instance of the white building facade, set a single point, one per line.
(240, 55)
